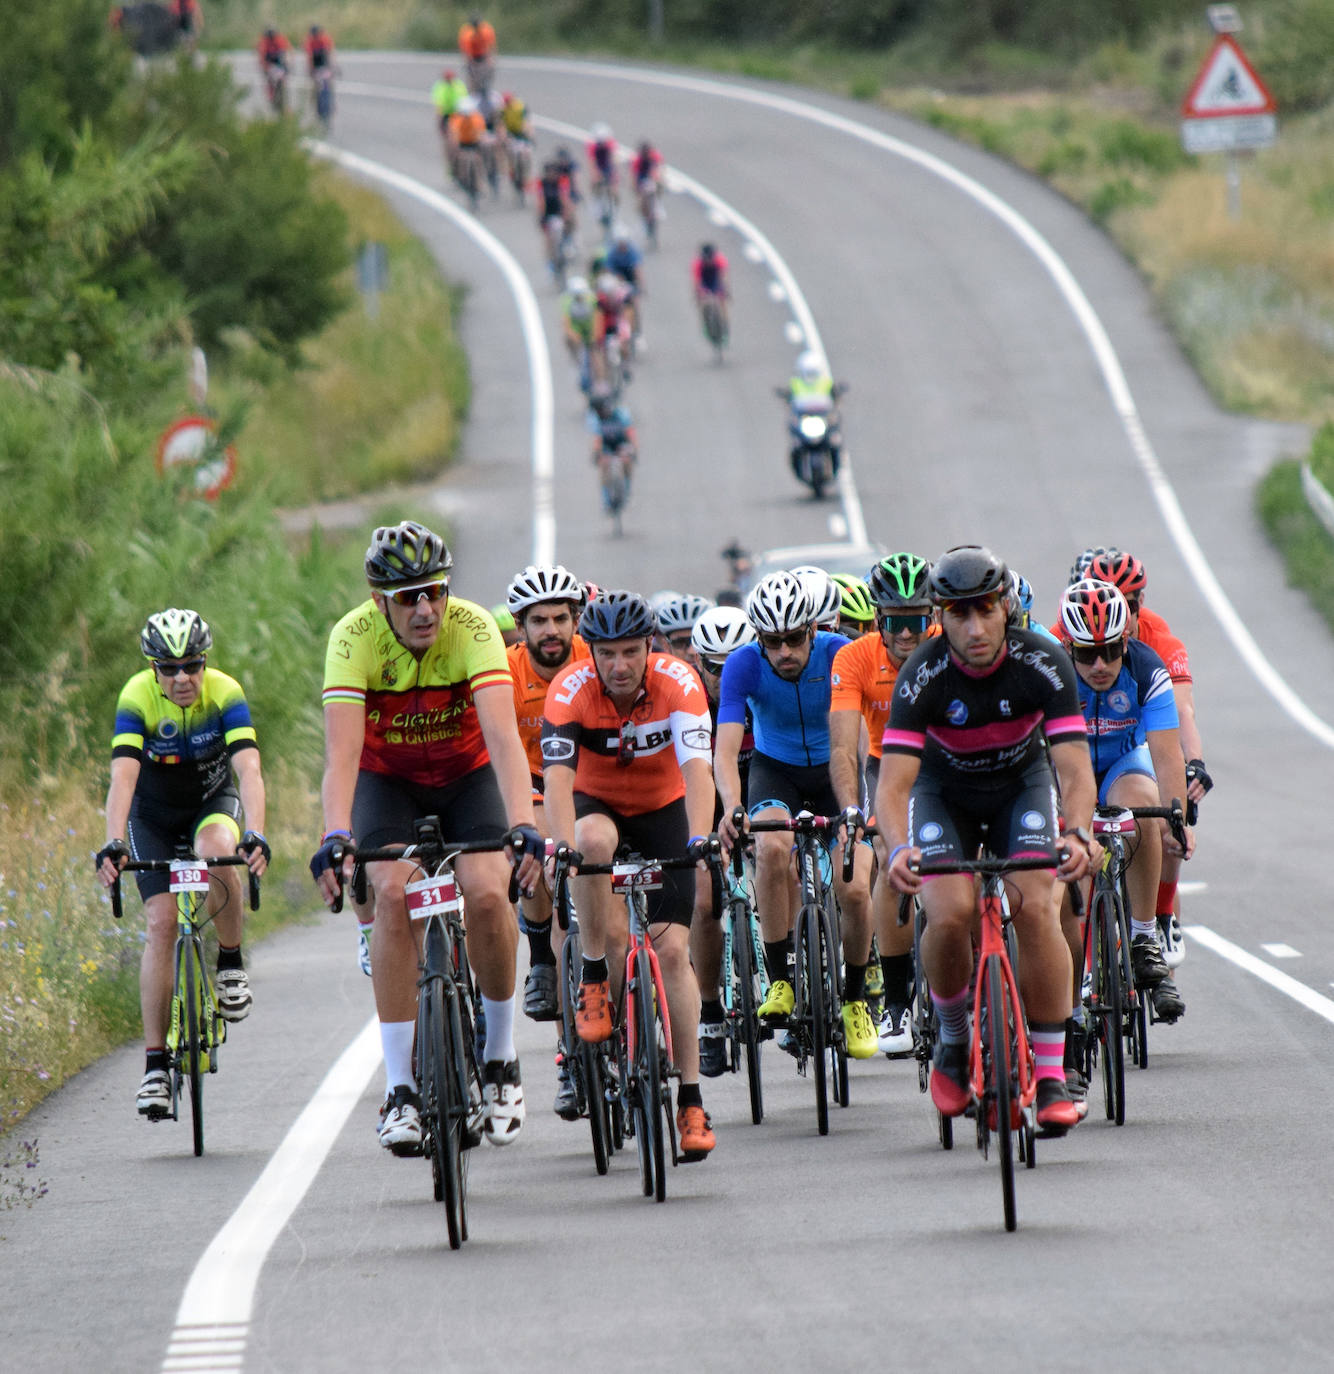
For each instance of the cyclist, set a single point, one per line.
(1131, 716)
(624, 260)
(569, 169)
(1126, 572)
(709, 274)
(419, 721)
(976, 712)
(273, 49)
(864, 674)
(856, 611)
(646, 173)
(602, 162)
(448, 93)
(783, 679)
(717, 633)
(626, 744)
(467, 130)
(182, 731)
(677, 617)
(516, 132)
(477, 43)
(582, 328)
(614, 436)
(189, 20)
(614, 301)
(319, 51)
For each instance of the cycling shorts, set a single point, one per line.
(384, 808)
(947, 821)
(1136, 760)
(154, 831)
(661, 834)
(791, 787)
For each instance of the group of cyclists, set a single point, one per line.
(920, 706)
(275, 53)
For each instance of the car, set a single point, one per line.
(856, 559)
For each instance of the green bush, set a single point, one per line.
(1322, 455)
(1307, 549)
(1117, 194)
(1123, 142)
(1294, 53)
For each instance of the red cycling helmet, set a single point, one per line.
(1123, 570)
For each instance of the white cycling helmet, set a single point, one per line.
(824, 593)
(680, 613)
(778, 604)
(601, 132)
(536, 585)
(577, 286)
(720, 631)
(468, 105)
(810, 366)
(1094, 613)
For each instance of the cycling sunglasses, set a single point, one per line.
(794, 639)
(190, 667)
(898, 624)
(985, 604)
(410, 596)
(1089, 654)
(712, 665)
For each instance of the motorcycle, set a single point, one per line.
(815, 440)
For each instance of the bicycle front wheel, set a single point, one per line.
(1110, 992)
(747, 1024)
(459, 1079)
(998, 1095)
(583, 1062)
(831, 965)
(650, 1082)
(813, 1009)
(193, 1046)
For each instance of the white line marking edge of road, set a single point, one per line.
(1267, 973)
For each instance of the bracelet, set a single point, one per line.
(895, 852)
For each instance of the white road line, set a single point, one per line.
(792, 330)
(543, 441)
(1187, 888)
(220, 1296)
(1281, 951)
(1299, 992)
(776, 292)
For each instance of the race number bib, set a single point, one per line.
(432, 897)
(189, 875)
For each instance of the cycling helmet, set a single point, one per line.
(504, 618)
(608, 284)
(507, 97)
(175, 633)
(591, 592)
(825, 595)
(1093, 612)
(407, 552)
(617, 615)
(707, 252)
(536, 585)
(779, 603)
(578, 286)
(1079, 568)
(468, 105)
(1123, 570)
(855, 597)
(601, 132)
(720, 630)
(1021, 593)
(448, 74)
(315, 30)
(680, 613)
(900, 580)
(810, 367)
(270, 34)
(965, 571)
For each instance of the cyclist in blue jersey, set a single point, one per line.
(785, 680)
(1130, 714)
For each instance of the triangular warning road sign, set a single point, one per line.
(1226, 85)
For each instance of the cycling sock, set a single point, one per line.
(898, 975)
(595, 970)
(157, 1059)
(854, 982)
(1138, 928)
(396, 1046)
(1048, 1043)
(1077, 1015)
(952, 1013)
(777, 957)
(229, 956)
(499, 1029)
(1167, 896)
(687, 1095)
(711, 1010)
(539, 944)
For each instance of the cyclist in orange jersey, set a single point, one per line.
(626, 747)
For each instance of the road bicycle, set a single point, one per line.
(448, 1070)
(817, 986)
(468, 172)
(324, 98)
(649, 209)
(644, 1054)
(712, 323)
(560, 247)
(925, 1023)
(1119, 1014)
(1000, 1057)
(745, 983)
(519, 158)
(195, 1028)
(614, 473)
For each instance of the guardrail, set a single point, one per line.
(1318, 498)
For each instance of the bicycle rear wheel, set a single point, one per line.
(192, 1046)
(999, 1094)
(747, 1024)
(1110, 993)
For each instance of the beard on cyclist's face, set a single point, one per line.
(548, 633)
(621, 665)
(789, 660)
(976, 629)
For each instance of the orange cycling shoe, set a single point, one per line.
(592, 1016)
(697, 1139)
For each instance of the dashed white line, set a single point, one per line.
(1281, 951)
(1284, 983)
(776, 292)
(752, 251)
(793, 334)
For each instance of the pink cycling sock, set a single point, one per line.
(1048, 1051)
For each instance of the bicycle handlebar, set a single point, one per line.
(428, 849)
(805, 824)
(712, 856)
(1173, 815)
(164, 866)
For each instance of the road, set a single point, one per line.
(1194, 1237)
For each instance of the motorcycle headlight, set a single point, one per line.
(813, 428)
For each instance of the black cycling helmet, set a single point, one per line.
(175, 633)
(617, 615)
(270, 33)
(707, 251)
(965, 571)
(902, 579)
(407, 552)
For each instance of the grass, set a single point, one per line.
(1307, 549)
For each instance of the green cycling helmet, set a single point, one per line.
(856, 598)
(900, 580)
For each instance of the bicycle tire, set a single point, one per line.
(813, 1011)
(455, 1075)
(831, 964)
(1111, 1004)
(583, 1062)
(193, 1048)
(743, 962)
(646, 1072)
(998, 1091)
(430, 1054)
(324, 104)
(1139, 1027)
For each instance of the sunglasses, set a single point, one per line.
(1089, 654)
(899, 624)
(410, 596)
(794, 639)
(985, 604)
(625, 750)
(190, 667)
(712, 665)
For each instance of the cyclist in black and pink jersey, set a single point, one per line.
(975, 712)
(708, 272)
(602, 159)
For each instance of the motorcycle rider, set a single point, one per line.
(811, 390)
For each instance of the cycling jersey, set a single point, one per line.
(603, 158)
(183, 750)
(319, 52)
(1153, 631)
(477, 41)
(864, 677)
(790, 719)
(421, 723)
(530, 695)
(984, 728)
(667, 726)
(645, 167)
(274, 50)
(467, 129)
(515, 117)
(625, 262)
(710, 276)
(446, 95)
(1140, 700)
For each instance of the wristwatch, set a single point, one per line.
(1080, 833)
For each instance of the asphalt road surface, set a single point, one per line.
(1195, 1237)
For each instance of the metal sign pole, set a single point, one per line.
(1233, 173)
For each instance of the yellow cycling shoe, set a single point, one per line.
(779, 1002)
(859, 1031)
